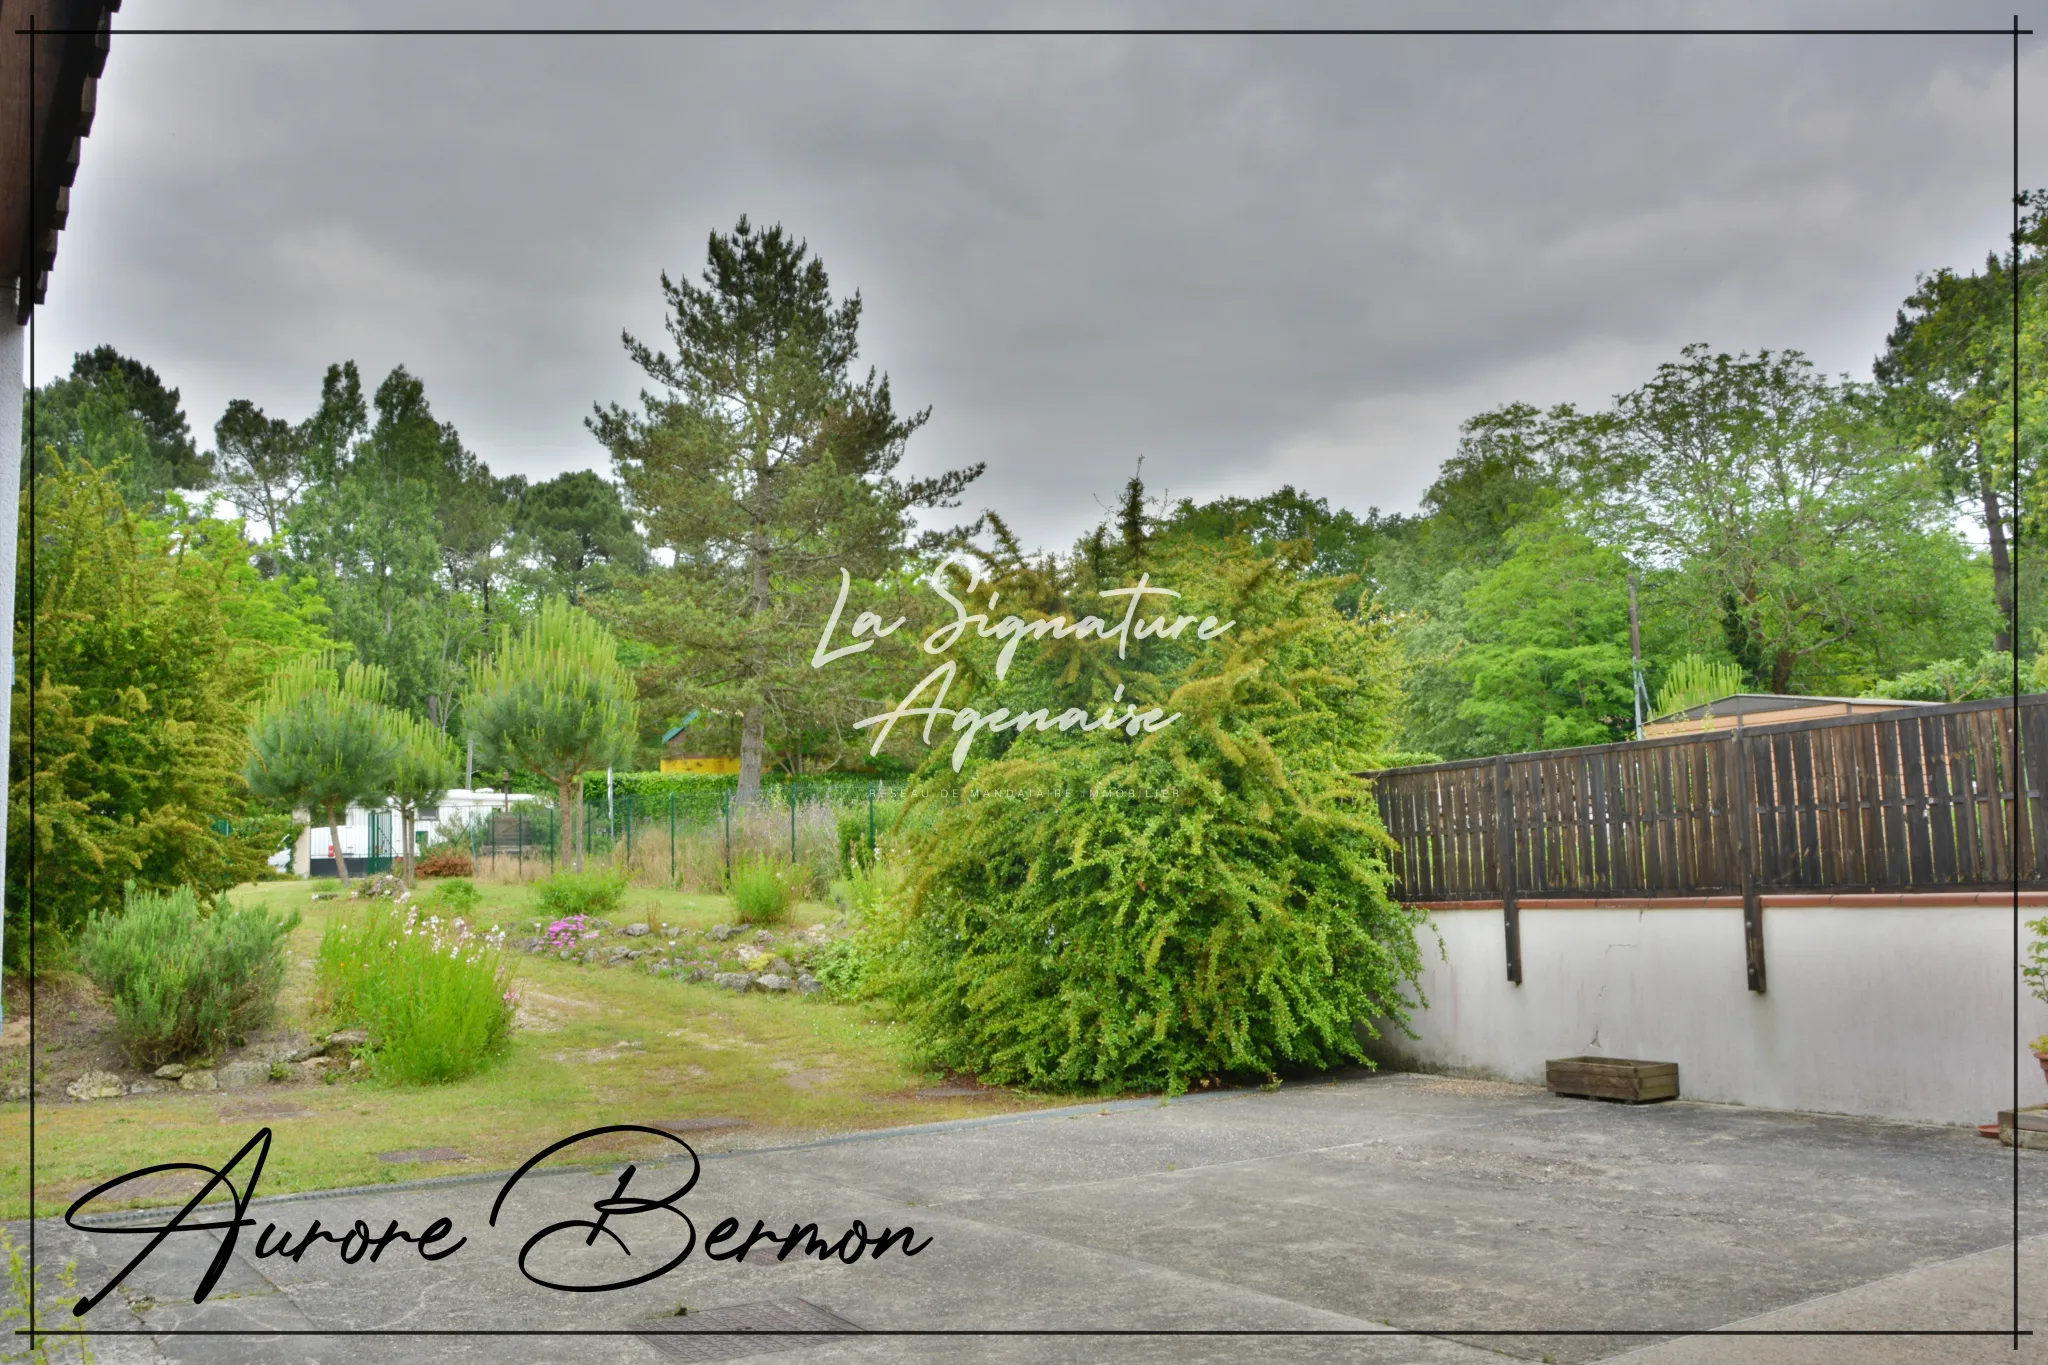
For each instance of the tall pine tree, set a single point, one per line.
(767, 466)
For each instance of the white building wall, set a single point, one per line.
(1901, 1012)
(457, 806)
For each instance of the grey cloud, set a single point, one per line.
(1246, 259)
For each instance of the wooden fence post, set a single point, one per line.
(1504, 865)
(1740, 815)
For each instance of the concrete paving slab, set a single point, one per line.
(1966, 1294)
(1420, 1203)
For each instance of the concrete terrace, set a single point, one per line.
(1418, 1202)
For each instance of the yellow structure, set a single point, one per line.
(716, 766)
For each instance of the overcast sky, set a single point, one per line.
(1250, 260)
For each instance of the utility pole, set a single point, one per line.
(1635, 657)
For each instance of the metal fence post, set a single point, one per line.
(671, 838)
(1504, 865)
(1745, 863)
(871, 824)
(726, 802)
(790, 787)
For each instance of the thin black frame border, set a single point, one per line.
(2015, 32)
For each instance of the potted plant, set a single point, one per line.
(2036, 972)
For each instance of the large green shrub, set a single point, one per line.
(433, 995)
(185, 983)
(1108, 911)
(149, 640)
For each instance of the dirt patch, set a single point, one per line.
(74, 1034)
(540, 1012)
(797, 1076)
(532, 1020)
(622, 1048)
(700, 1125)
(418, 1155)
(621, 1144)
(262, 1109)
(809, 1080)
(957, 1085)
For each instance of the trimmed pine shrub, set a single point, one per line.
(185, 983)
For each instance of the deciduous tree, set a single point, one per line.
(1786, 516)
(1947, 374)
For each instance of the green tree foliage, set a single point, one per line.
(553, 699)
(1111, 910)
(398, 525)
(150, 639)
(1342, 543)
(1790, 524)
(1946, 680)
(767, 466)
(575, 535)
(323, 740)
(1947, 374)
(262, 464)
(1548, 664)
(1506, 470)
(115, 413)
(426, 768)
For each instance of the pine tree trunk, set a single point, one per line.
(408, 836)
(753, 746)
(334, 838)
(569, 822)
(752, 729)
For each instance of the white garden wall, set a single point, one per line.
(1901, 1010)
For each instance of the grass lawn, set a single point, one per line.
(593, 1046)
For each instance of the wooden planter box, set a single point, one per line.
(1612, 1078)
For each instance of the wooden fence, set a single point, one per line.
(1931, 798)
